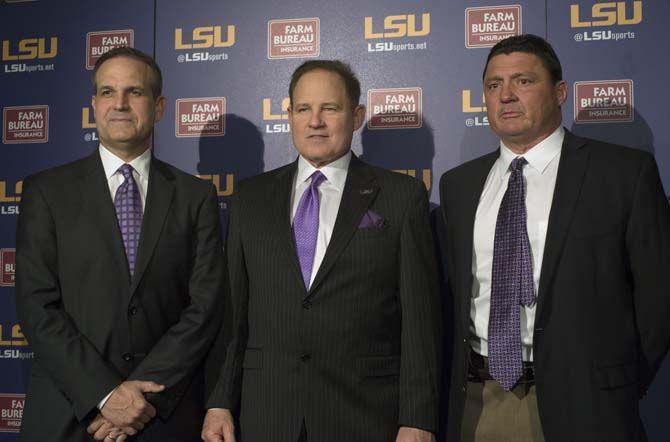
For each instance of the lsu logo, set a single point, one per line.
(228, 183)
(466, 102)
(15, 340)
(395, 108)
(11, 412)
(97, 43)
(87, 120)
(205, 37)
(276, 116)
(397, 26)
(8, 264)
(200, 117)
(6, 197)
(486, 26)
(30, 49)
(296, 37)
(607, 14)
(25, 124)
(603, 101)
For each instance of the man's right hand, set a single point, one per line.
(126, 407)
(218, 426)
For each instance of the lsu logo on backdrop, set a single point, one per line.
(26, 54)
(210, 38)
(395, 108)
(9, 199)
(200, 117)
(14, 339)
(275, 116)
(485, 26)
(11, 412)
(88, 124)
(25, 124)
(295, 37)
(397, 26)
(224, 183)
(97, 43)
(470, 105)
(8, 264)
(607, 14)
(603, 101)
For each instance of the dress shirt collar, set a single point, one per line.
(538, 156)
(335, 172)
(111, 162)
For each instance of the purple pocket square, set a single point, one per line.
(372, 220)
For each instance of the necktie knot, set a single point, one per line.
(317, 179)
(126, 170)
(516, 167)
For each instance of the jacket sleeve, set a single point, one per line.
(70, 360)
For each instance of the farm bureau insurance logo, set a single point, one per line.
(485, 26)
(25, 55)
(395, 108)
(203, 37)
(25, 124)
(8, 263)
(295, 37)
(620, 15)
(200, 117)
(99, 42)
(11, 412)
(603, 101)
(397, 26)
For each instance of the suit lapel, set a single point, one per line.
(571, 169)
(159, 199)
(280, 220)
(99, 208)
(360, 190)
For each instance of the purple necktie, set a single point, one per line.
(128, 207)
(306, 226)
(511, 282)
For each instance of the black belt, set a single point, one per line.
(478, 370)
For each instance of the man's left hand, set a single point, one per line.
(409, 434)
(102, 429)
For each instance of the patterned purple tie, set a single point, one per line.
(511, 282)
(129, 214)
(306, 226)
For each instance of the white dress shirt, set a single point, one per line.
(111, 164)
(540, 176)
(330, 195)
(141, 165)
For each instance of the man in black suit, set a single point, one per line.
(120, 273)
(558, 249)
(333, 280)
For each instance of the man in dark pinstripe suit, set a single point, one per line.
(335, 339)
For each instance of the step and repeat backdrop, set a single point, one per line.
(226, 67)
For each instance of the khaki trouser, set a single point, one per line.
(495, 415)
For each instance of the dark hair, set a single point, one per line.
(155, 79)
(351, 83)
(531, 44)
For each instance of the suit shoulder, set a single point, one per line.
(462, 171)
(60, 174)
(264, 181)
(182, 178)
(615, 152)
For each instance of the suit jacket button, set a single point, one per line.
(305, 357)
(306, 304)
(132, 311)
(127, 357)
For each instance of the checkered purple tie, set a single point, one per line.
(128, 207)
(306, 226)
(512, 281)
